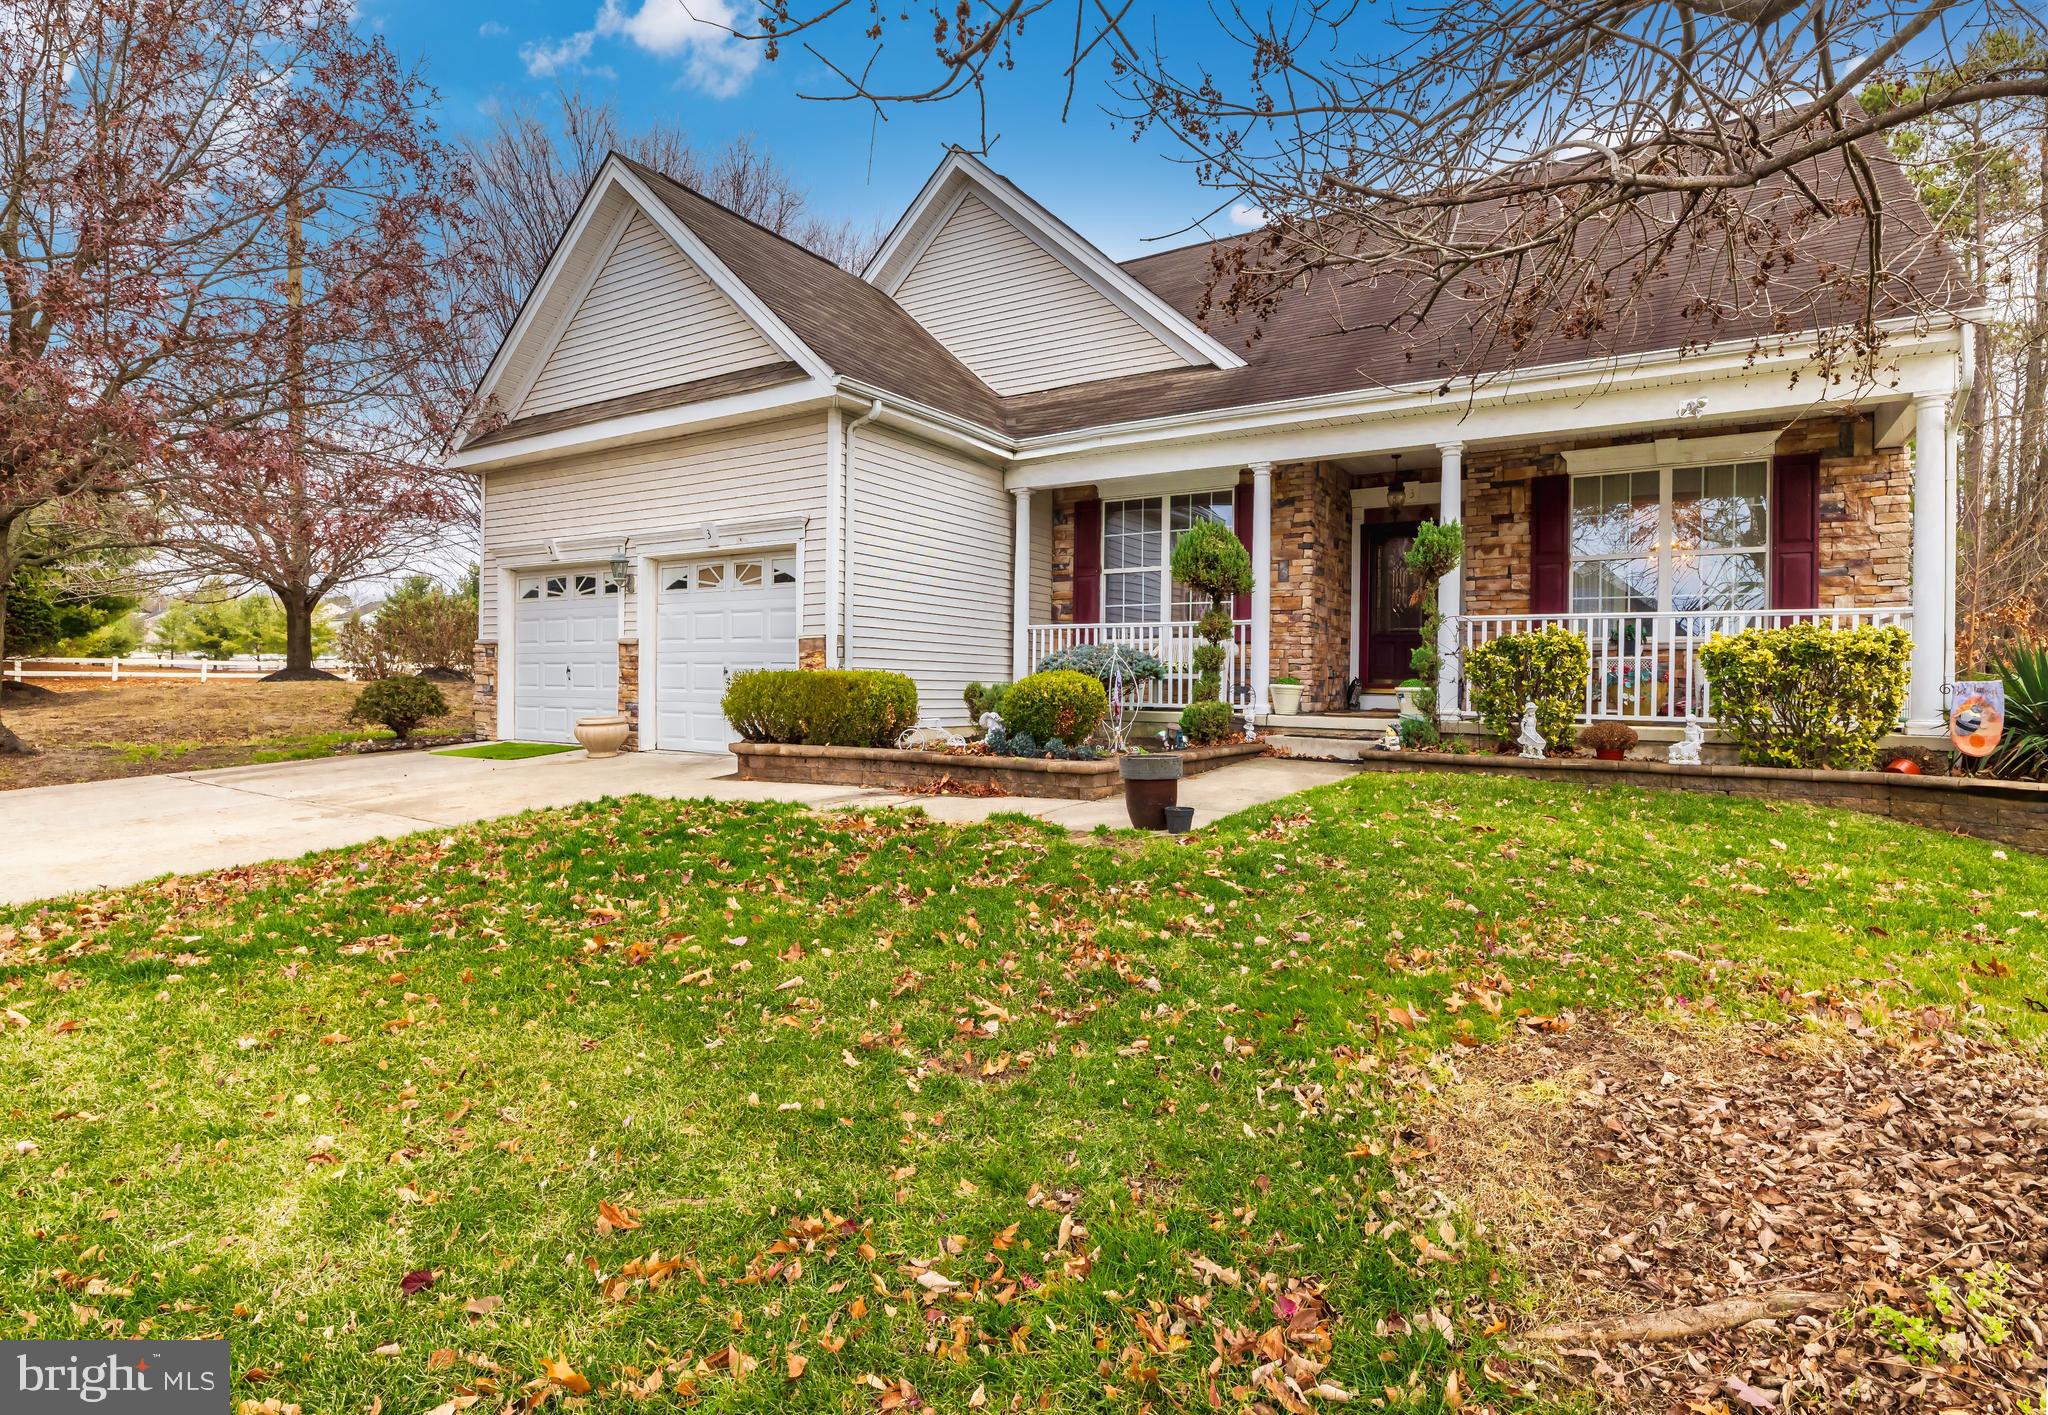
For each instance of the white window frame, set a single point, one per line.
(1164, 570)
(1667, 536)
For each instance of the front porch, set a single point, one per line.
(1645, 543)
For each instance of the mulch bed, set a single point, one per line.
(1667, 1170)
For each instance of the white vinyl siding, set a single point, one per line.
(651, 320)
(1017, 315)
(1041, 558)
(666, 491)
(931, 568)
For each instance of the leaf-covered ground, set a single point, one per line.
(755, 1108)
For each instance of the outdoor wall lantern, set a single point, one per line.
(622, 571)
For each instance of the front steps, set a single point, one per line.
(1327, 736)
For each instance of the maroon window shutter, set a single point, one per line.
(1242, 514)
(1550, 545)
(1795, 531)
(1088, 561)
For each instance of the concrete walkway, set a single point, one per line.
(58, 839)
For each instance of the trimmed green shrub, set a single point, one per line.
(984, 697)
(1206, 722)
(1545, 666)
(1417, 732)
(1806, 695)
(1061, 704)
(400, 704)
(836, 707)
(1209, 558)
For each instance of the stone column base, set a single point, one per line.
(483, 702)
(629, 690)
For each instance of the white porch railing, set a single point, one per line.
(1172, 644)
(1645, 667)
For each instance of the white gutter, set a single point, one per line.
(846, 456)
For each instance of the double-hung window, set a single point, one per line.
(1675, 540)
(1138, 536)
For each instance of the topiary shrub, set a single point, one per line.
(1206, 723)
(840, 707)
(984, 697)
(1806, 695)
(400, 704)
(1433, 554)
(1545, 666)
(1062, 704)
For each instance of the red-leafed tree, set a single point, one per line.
(223, 264)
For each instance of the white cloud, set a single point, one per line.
(491, 29)
(698, 35)
(1249, 217)
(544, 58)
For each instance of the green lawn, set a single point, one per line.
(787, 1109)
(506, 751)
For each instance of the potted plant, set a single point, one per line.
(1610, 741)
(1151, 784)
(1286, 696)
(1411, 695)
(603, 735)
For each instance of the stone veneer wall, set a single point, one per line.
(1312, 581)
(629, 690)
(1063, 502)
(810, 651)
(483, 702)
(1866, 516)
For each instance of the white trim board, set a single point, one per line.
(1672, 452)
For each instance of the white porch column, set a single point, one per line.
(1020, 585)
(1931, 551)
(1450, 591)
(1262, 587)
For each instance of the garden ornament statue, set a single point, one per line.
(1531, 740)
(989, 722)
(912, 738)
(1390, 740)
(1686, 750)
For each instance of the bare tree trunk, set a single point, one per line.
(299, 606)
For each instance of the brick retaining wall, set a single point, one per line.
(2012, 812)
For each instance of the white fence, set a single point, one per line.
(1172, 644)
(247, 668)
(1645, 667)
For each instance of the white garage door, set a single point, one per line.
(719, 616)
(565, 660)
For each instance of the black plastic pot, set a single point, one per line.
(1179, 819)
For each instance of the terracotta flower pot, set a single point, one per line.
(603, 736)
(1610, 754)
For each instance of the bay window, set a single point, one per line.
(1138, 536)
(1678, 539)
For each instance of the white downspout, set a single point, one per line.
(835, 530)
(846, 556)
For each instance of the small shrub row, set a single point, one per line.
(1023, 744)
(821, 707)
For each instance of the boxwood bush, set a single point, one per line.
(1062, 704)
(1545, 666)
(821, 707)
(1807, 695)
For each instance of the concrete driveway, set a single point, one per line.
(59, 839)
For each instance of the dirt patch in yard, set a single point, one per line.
(95, 731)
(1637, 1172)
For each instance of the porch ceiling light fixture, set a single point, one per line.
(1397, 490)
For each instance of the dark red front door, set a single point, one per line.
(1390, 619)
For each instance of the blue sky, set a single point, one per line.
(652, 61)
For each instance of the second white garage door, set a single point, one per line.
(717, 617)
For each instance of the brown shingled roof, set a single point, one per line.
(651, 400)
(1318, 341)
